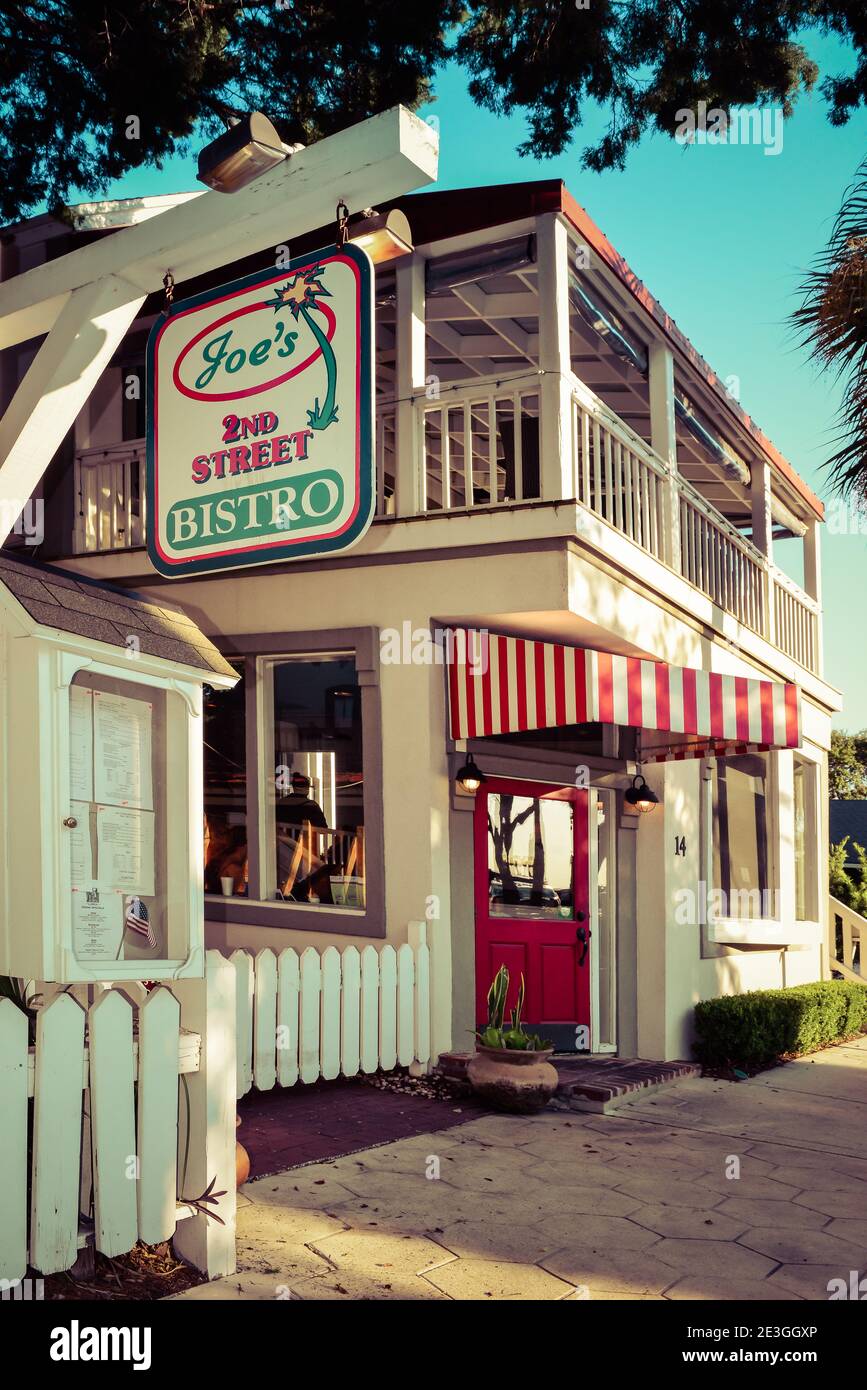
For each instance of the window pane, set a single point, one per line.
(317, 788)
(740, 837)
(226, 792)
(529, 857)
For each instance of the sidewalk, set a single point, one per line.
(644, 1204)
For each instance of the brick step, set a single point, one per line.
(595, 1083)
(602, 1084)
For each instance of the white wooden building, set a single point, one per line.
(560, 472)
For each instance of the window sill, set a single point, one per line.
(765, 932)
(252, 912)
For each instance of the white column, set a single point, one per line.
(813, 581)
(782, 837)
(663, 438)
(409, 353)
(760, 500)
(416, 830)
(555, 443)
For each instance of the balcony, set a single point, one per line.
(109, 498)
(478, 448)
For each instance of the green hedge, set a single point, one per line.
(757, 1029)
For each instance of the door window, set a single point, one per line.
(529, 857)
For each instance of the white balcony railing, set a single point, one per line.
(110, 497)
(617, 476)
(719, 561)
(478, 446)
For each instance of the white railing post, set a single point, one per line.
(409, 379)
(813, 585)
(760, 499)
(663, 441)
(207, 1135)
(556, 478)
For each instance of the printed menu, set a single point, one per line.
(122, 751)
(111, 786)
(125, 849)
(98, 917)
(81, 742)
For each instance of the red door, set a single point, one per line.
(533, 904)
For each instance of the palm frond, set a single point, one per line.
(831, 322)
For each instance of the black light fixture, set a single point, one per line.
(384, 235)
(250, 147)
(470, 777)
(641, 796)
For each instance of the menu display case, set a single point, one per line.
(101, 811)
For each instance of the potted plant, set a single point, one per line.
(510, 1070)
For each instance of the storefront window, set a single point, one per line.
(315, 787)
(225, 735)
(292, 830)
(740, 837)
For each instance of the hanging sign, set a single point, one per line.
(260, 417)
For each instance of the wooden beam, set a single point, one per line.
(59, 381)
(371, 162)
(496, 306)
(525, 343)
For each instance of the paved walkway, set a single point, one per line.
(707, 1190)
(282, 1129)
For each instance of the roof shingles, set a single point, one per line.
(71, 603)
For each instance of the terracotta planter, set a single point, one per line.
(519, 1082)
(242, 1159)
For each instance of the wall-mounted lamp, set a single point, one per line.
(247, 149)
(384, 235)
(470, 777)
(641, 796)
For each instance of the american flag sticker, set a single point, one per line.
(138, 920)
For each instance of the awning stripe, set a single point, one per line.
(500, 684)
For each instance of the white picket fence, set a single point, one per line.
(133, 1099)
(302, 1017)
(107, 1127)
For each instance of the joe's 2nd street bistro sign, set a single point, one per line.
(260, 417)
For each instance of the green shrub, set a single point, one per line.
(757, 1029)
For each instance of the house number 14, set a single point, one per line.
(680, 845)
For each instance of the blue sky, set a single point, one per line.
(721, 235)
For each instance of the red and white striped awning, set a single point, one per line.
(501, 685)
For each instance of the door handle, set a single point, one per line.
(580, 916)
(583, 935)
